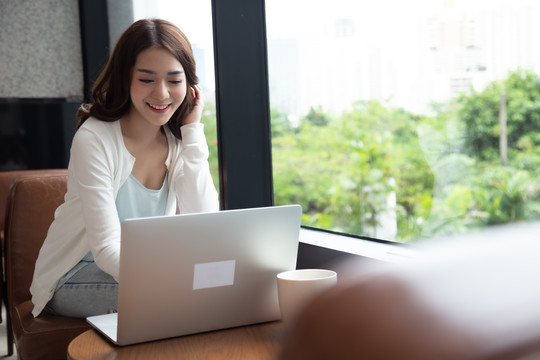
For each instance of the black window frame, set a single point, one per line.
(242, 103)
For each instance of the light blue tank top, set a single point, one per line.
(132, 201)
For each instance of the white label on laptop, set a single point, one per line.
(214, 274)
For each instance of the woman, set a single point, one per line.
(139, 150)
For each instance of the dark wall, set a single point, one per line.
(35, 135)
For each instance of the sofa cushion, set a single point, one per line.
(50, 334)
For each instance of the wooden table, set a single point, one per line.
(261, 341)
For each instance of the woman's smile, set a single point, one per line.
(159, 108)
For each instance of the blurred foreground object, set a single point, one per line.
(474, 296)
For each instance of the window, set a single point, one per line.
(404, 120)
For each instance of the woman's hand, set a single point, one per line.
(198, 104)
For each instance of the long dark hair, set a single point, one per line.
(111, 91)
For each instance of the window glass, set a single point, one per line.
(402, 120)
(194, 18)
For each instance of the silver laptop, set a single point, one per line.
(193, 273)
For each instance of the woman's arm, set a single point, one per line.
(194, 185)
(93, 167)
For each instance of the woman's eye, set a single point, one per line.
(146, 81)
(176, 82)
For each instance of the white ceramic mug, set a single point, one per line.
(296, 287)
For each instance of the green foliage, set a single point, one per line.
(343, 170)
(479, 111)
(317, 117)
(444, 171)
(280, 123)
(505, 194)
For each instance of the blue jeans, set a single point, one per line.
(90, 291)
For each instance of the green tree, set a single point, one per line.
(343, 169)
(480, 113)
(317, 117)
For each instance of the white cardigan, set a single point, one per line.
(88, 220)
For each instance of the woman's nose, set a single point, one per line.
(160, 90)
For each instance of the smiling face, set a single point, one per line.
(158, 87)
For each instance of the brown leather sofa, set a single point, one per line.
(6, 177)
(31, 203)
